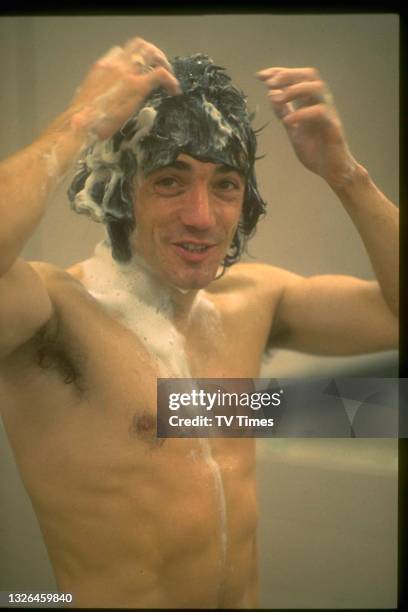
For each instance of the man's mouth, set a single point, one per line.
(194, 247)
(193, 251)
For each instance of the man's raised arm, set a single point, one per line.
(334, 314)
(111, 92)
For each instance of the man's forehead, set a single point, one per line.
(189, 163)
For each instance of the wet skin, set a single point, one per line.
(129, 520)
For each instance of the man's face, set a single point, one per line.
(186, 216)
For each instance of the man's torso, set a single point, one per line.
(129, 519)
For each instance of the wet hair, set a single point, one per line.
(209, 121)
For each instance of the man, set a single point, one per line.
(130, 521)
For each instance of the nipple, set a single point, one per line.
(143, 426)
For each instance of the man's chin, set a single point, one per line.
(192, 285)
(193, 281)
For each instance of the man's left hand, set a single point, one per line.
(304, 104)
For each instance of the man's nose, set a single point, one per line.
(198, 211)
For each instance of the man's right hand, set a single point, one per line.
(116, 86)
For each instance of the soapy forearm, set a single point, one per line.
(28, 179)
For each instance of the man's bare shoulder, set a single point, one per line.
(63, 286)
(52, 274)
(259, 278)
(42, 330)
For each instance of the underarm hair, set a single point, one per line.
(52, 355)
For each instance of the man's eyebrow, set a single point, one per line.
(182, 165)
(177, 164)
(224, 168)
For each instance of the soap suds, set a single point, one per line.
(225, 132)
(52, 165)
(222, 506)
(145, 120)
(141, 303)
(98, 188)
(51, 162)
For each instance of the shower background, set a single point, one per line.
(328, 508)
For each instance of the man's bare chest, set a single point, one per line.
(104, 343)
(91, 437)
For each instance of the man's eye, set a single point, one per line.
(167, 181)
(228, 185)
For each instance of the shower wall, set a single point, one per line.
(310, 506)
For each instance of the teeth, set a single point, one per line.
(193, 247)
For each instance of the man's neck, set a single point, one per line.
(138, 278)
